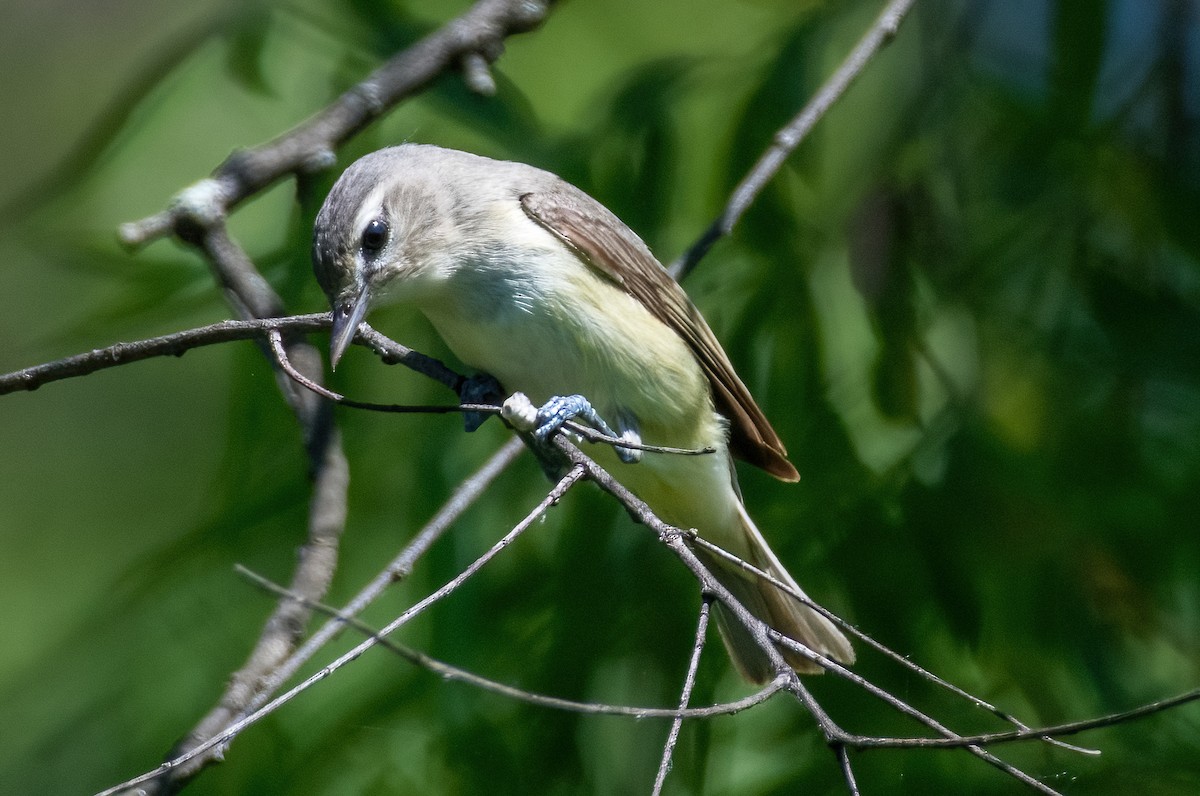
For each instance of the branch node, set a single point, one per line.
(135, 234)
(787, 139)
(318, 161)
(197, 209)
(530, 13)
(890, 24)
(202, 202)
(669, 533)
(477, 74)
(519, 412)
(369, 93)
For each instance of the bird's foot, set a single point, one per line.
(561, 408)
(539, 424)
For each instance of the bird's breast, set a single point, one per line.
(555, 327)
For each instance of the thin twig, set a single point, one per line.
(392, 353)
(1034, 733)
(448, 672)
(175, 344)
(685, 695)
(586, 432)
(836, 736)
(876, 645)
(843, 756)
(400, 567)
(882, 31)
(179, 343)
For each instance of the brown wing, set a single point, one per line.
(602, 241)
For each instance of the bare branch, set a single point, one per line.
(478, 34)
(448, 672)
(400, 567)
(841, 738)
(246, 289)
(882, 31)
(270, 330)
(843, 756)
(1037, 733)
(221, 739)
(392, 353)
(175, 344)
(685, 696)
(178, 343)
(768, 639)
(876, 645)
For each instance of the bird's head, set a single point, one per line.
(381, 233)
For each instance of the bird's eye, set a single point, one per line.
(375, 236)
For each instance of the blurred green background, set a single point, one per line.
(970, 305)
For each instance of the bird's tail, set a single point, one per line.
(778, 609)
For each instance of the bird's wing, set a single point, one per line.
(602, 241)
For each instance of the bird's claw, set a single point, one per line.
(561, 408)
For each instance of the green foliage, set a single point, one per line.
(969, 304)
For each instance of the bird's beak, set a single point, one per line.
(347, 315)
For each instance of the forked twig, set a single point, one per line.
(896, 657)
(767, 638)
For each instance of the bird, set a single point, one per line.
(530, 280)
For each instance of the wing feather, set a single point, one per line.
(602, 241)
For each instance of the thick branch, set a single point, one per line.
(479, 33)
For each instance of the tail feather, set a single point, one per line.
(777, 608)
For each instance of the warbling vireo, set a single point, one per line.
(531, 280)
